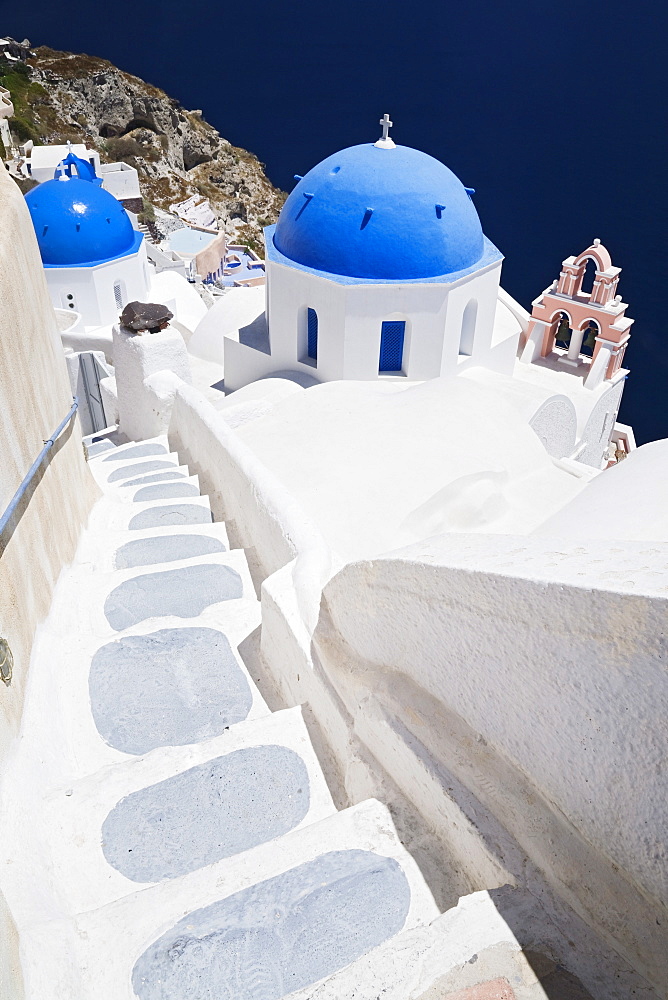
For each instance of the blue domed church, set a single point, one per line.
(94, 261)
(377, 268)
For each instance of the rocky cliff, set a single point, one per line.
(60, 96)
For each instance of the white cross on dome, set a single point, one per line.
(385, 142)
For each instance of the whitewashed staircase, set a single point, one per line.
(170, 838)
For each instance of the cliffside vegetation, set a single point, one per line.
(62, 96)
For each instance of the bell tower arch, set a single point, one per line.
(598, 321)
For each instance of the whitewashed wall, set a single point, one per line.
(349, 328)
(34, 397)
(523, 683)
(507, 693)
(260, 514)
(92, 287)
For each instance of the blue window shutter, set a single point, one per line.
(313, 334)
(392, 346)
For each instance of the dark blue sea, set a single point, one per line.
(554, 112)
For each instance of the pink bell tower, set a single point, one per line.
(598, 315)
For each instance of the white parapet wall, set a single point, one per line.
(260, 514)
(505, 693)
(523, 682)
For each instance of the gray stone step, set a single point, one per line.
(177, 809)
(469, 947)
(174, 591)
(182, 592)
(95, 719)
(125, 488)
(111, 550)
(132, 461)
(179, 472)
(166, 491)
(168, 548)
(283, 916)
(159, 513)
(127, 447)
(170, 687)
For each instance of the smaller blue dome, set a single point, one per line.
(379, 213)
(79, 223)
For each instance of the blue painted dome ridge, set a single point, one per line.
(78, 223)
(393, 214)
(85, 170)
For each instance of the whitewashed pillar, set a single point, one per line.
(138, 356)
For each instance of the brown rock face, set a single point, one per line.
(176, 152)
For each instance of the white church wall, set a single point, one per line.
(290, 292)
(350, 318)
(600, 425)
(469, 324)
(90, 291)
(122, 280)
(511, 694)
(44, 159)
(73, 288)
(595, 409)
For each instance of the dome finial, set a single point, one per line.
(385, 142)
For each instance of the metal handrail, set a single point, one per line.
(48, 444)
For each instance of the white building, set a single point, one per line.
(94, 261)
(378, 268)
(419, 563)
(119, 179)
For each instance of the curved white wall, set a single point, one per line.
(531, 677)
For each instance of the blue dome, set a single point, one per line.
(79, 223)
(369, 212)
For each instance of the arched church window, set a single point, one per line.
(467, 332)
(392, 346)
(312, 334)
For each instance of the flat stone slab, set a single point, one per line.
(168, 688)
(494, 989)
(137, 451)
(166, 491)
(97, 447)
(207, 813)
(280, 935)
(183, 593)
(130, 470)
(178, 513)
(157, 477)
(165, 548)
